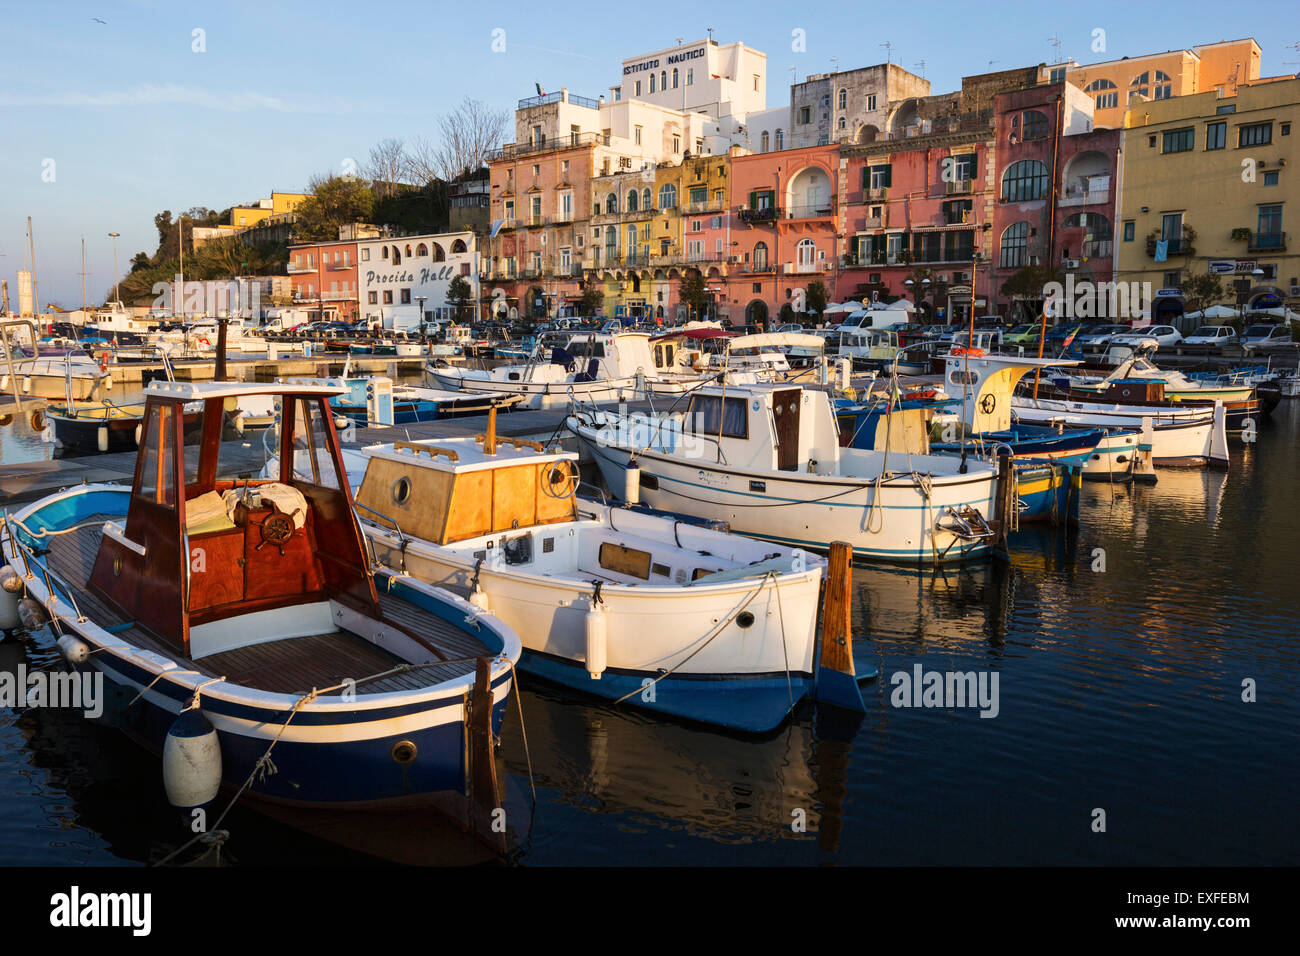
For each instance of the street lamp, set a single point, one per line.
(420, 325)
(117, 297)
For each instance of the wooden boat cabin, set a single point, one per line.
(192, 557)
(444, 495)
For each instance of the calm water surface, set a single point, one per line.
(1120, 689)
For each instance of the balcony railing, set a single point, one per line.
(757, 268)
(766, 214)
(807, 268)
(959, 188)
(1074, 196)
(294, 270)
(534, 221)
(1267, 242)
(542, 144)
(810, 211)
(558, 97)
(695, 208)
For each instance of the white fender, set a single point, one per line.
(191, 761)
(597, 641)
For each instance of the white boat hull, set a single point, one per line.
(1177, 437)
(902, 519)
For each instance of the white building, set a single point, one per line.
(395, 276)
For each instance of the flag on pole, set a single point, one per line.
(1068, 339)
(539, 89)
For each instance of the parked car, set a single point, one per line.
(1057, 335)
(1166, 336)
(1266, 338)
(1023, 335)
(1208, 338)
(1095, 338)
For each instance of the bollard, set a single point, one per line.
(835, 682)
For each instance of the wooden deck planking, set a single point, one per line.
(292, 665)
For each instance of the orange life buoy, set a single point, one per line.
(959, 351)
(103, 362)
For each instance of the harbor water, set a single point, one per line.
(1146, 713)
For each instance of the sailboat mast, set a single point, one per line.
(180, 244)
(83, 276)
(31, 249)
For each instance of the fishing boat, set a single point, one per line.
(596, 367)
(75, 375)
(1137, 379)
(667, 616)
(1190, 435)
(244, 633)
(767, 460)
(376, 400)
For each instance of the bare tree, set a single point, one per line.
(388, 163)
(423, 162)
(468, 133)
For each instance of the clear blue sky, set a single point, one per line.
(135, 121)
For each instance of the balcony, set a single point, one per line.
(543, 144)
(810, 211)
(294, 270)
(696, 208)
(960, 188)
(756, 268)
(558, 98)
(807, 268)
(510, 222)
(1267, 242)
(340, 266)
(879, 192)
(534, 222)
(766, 214)
(1077, 196)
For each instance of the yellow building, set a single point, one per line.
(1118, 85)
(1206, 185)
(691, 228)
(244, 217)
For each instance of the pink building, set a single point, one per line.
(784, 211)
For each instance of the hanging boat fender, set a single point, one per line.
(101, 437)
(477, 596)
(103, 362)
(191, 761)
(597, 636)
(73, 649)
(10, 620)
(632, 483)
(31, 614)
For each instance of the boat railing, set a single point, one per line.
(401, 536)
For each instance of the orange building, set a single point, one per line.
(1119, 85)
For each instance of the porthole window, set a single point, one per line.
(402, 490)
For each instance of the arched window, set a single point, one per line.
(397, 255)
(674, 77)
(421, 250)
(1140, 85)
(1097, 237)
(780, 139)
(806, 252)
(1035, 125)
(652, 82)
(1015, 246)
(385, 252)
(1164, 87)
(631, 201)
(841, 123)
(1106, 93)
(611, 203)
(458, 246)
(844, 99)
(438, 254)
(663, 79)
(408, 250)
(667, 196)
(1024, 181)
(765, 142)
(645, 199)
(760, 255)
(631, 243)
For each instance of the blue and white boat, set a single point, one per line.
(665, 616)
(244, 633)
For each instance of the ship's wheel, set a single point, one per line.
(276, 530)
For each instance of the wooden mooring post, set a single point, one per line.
(835, 682)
